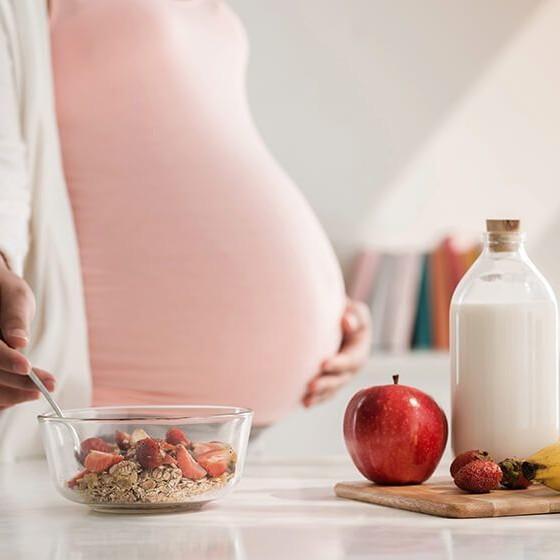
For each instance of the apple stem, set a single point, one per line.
(396, 379)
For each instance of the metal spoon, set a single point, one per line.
(58, 411)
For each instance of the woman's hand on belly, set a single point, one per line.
(17, 306)
(353, 354)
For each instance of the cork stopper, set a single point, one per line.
(498, 226)
(503, 235)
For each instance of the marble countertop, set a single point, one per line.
(281, 510)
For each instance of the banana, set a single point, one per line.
(544, 466)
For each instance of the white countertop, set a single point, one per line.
(281, 510)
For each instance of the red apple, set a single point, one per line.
(395, 434)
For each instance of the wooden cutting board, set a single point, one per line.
(444, 499)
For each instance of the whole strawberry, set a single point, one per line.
(149, 453)
(513, 477)
(479, 477)
(464, 458)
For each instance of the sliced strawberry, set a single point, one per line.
(202, 447)
(219, 461)
(99, 461)
(149, 453)
(94, 444)
(189, 467)
(75, 479)
(175, 436)
(122, 439)
(169, 460)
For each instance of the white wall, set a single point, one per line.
(403, 120)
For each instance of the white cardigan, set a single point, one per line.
(37, 233)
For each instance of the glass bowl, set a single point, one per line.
(137, 458)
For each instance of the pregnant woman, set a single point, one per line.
(202, 272)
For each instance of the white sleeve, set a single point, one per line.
(15, 190)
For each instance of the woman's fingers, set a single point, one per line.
(356, 316)
(9, 396)
(15, 381)
(353, 354)
(328, 381)
(12, 360)
(324, 387)
(16, 388)
(318, 396)
(354, 351)
(312, 400)
(17, 307)
(48, 379)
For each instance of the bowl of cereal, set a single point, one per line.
(137, 458)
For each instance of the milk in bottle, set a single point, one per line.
(504, 351)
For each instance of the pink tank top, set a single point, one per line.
(207, 277)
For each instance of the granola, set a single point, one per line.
(138, 469)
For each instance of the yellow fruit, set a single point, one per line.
(544, 466)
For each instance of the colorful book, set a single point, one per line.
(380, 299)
(402, 301)
(455, 264)
(362, 275)
(410, 295)
(440, 296)
(422, 337)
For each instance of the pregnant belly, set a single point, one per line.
(214, 285)
(207, 277)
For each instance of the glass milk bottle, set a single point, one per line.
(504, 351)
